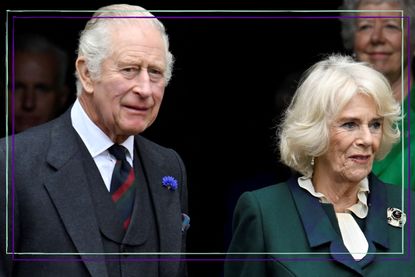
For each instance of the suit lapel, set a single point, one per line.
(318, 228)
(166, 203)
(68, 189)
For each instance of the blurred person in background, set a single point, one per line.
(378, 41)
(40, 92)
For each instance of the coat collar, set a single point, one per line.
(319, 229)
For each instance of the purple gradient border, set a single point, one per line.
(407, 257)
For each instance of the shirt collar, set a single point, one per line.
(360, 209)
(95, 140)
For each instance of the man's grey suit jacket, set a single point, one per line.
(57, 221)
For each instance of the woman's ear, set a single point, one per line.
(84, 75)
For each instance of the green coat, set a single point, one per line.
(389, 170)
(293, 234)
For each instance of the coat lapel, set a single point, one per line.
(68, 189)
(318, 228)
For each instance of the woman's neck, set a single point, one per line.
(341, 194)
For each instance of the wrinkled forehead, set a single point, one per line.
(134, 27)
(135, 38)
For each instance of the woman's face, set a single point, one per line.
(378, 41)
(355, 136)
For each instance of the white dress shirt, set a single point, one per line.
(97, 143)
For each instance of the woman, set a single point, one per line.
(330, 219)
(376, 37)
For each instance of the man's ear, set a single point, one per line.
(84, 74)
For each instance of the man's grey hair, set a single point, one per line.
(95, 46)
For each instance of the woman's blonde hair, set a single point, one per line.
(323, 92)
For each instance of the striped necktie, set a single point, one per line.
(122, 184)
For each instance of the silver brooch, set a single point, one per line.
(396, 217)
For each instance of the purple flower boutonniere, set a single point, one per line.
(170, 183)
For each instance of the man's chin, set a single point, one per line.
(133, 130)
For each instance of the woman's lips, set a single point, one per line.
(360, 158)
(379, 55)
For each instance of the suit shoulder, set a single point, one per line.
(155, 150)
(33, 138)
(150, 144)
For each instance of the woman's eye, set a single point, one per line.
(349, 125)
(375, 125)
(393, 27)
(364, 26)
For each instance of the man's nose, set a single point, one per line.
(143, 84)
(28, 100)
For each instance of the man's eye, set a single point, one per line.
(130, 72)
(18, 88)
(154, 71)
(129, 69)
(155, 74)
(42, 89)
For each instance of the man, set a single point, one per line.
(40, 92)
(92, 197)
